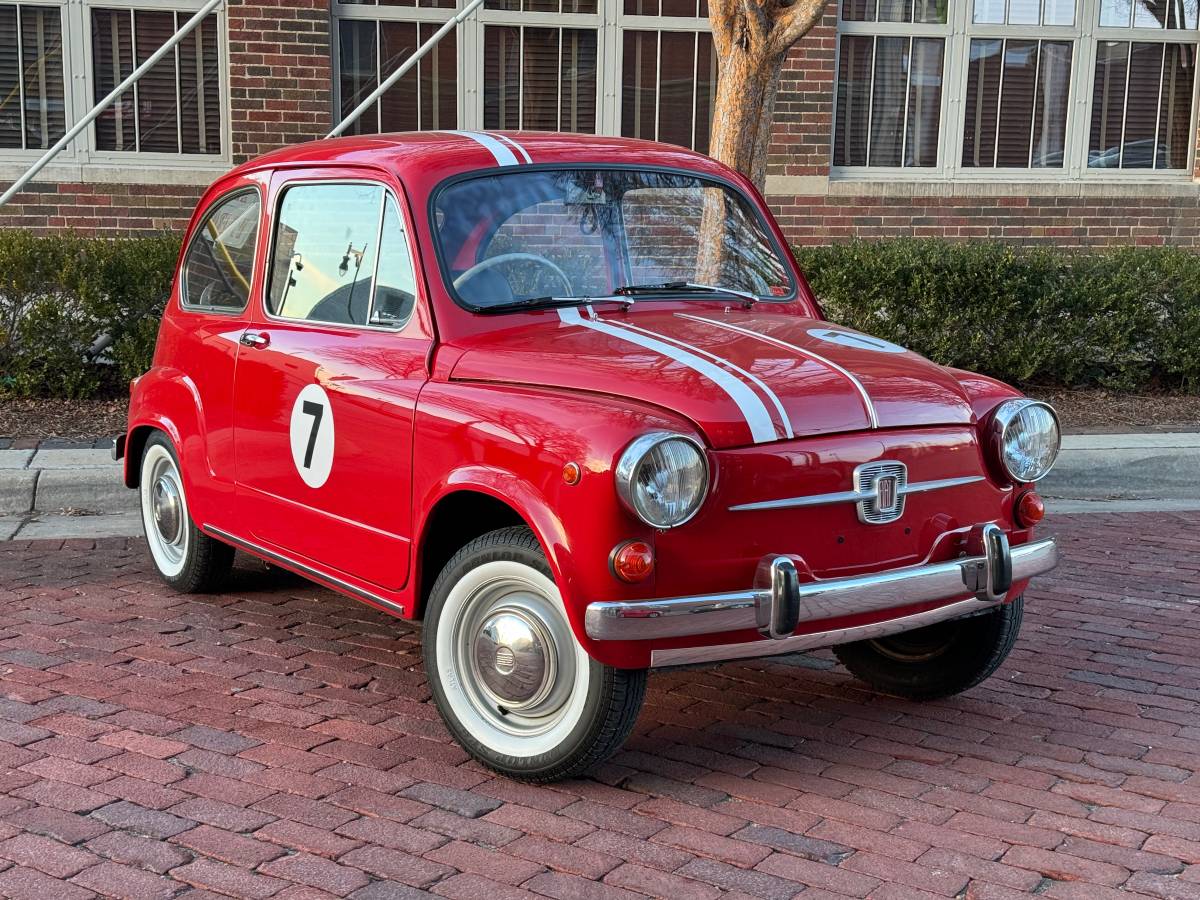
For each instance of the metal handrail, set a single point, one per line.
(353, 117)
(104, 104)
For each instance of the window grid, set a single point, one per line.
(79, 95)
(1086, 36)
(609, 21)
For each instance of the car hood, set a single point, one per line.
(743, 377)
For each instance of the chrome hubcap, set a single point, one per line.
(514, 659)
(168, 519)
(515, 656)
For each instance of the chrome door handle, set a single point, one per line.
(254, 339)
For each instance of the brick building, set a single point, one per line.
(1071, 121)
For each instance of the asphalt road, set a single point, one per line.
(277, 741)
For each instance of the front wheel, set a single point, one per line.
(510, 680)
(938, 660)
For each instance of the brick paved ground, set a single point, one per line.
(277, 742)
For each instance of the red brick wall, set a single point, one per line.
(804, 107)
(1062, 221)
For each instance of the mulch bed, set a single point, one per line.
(1103, 411)
(69, 419)
(1079, 410)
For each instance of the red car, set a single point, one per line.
(569, 400)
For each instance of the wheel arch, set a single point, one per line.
(470, 505)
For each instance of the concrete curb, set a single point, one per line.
(50, 481)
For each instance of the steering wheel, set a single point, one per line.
(503, 258)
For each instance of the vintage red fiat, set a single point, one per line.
(568, 400)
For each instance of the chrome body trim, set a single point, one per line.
(751, 649)
(302, 569)
(914, 487)
(777, 604)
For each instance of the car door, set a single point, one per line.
(328, 376)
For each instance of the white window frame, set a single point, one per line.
(81, 160)
(958, 32)
(608, 21)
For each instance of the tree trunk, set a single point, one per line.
(744, 109)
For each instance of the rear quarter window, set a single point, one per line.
(219, 266)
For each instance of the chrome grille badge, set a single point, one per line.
(881, 487)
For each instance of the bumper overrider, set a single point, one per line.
(779, 602)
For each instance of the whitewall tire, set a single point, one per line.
(185, 558)
(512, 683)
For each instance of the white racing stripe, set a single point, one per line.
(868, 404)
(762, 429)
(524, 153)
(749, 376)
(499, 150)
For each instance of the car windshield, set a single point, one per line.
(564, 234)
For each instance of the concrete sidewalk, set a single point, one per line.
(61, 493)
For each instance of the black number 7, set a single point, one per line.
(317, 411)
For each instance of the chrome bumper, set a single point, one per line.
(779, 603)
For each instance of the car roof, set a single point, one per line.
(430, 156)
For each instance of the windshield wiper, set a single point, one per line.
(553, 303)
(746, 297)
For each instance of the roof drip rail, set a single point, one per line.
(104, 104)
(354, 116)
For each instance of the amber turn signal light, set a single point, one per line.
(1031, 509)
(633, 561)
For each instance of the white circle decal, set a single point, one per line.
(311, 435)
(855, 340)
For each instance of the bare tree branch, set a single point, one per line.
(721, 15)
(795, 21)
(758, 22)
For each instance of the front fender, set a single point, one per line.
(511, 443)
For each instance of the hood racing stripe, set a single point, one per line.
(758, 419)
(749, 376)
(868, 403)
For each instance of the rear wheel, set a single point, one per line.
(512, 683)
(186, 558)
(939, 660)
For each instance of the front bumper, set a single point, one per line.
(779, 603)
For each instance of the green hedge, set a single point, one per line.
(59, 294)
(1126, 319)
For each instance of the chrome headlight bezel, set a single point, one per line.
(630, 463)
(1003, 417)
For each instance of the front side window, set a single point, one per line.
(948, 88)
(219, 265)
(32, 93)
(328, 265)
(588, 232)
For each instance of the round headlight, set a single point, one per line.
(1026, 438)
(663, 478)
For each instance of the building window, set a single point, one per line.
(425, 98)
(32, 93)
(48, 82)
(541, 65)
(991, 86)
(539, 79)
(173, 108)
